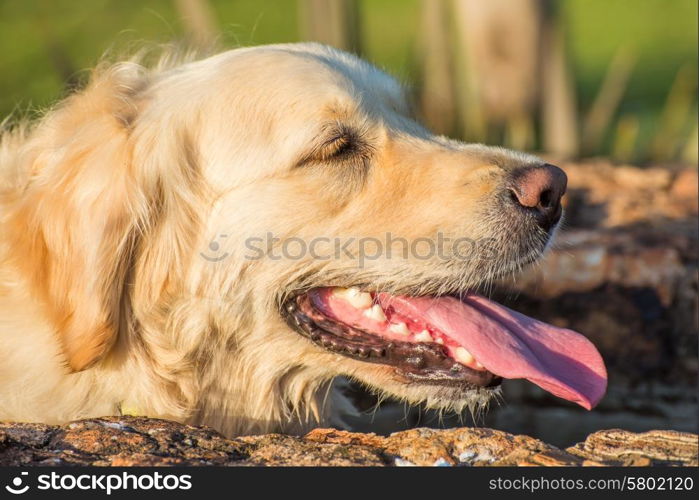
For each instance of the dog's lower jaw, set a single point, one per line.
(449, 399)
(293, 400)
(282, 382)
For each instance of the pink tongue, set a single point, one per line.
(512, 345)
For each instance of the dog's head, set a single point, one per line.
(274, 217)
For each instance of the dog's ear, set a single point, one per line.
(74, 225)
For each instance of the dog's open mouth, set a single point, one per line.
(470, 341)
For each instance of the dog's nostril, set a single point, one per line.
(546, 198)
(513, 195)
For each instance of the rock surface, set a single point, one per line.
(136, 441)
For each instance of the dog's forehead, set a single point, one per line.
(314, 74)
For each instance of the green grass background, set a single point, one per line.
(662, 32)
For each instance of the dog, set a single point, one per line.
(213, 241)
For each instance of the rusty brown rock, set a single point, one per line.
(136, 441)
(601, 194)
(645, 448)
(116, 441)
(280, 450)
(459, 446)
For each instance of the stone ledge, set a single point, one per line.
(136, 441)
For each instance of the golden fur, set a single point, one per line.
(107, 202)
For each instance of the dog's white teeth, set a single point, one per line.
(357, 298)
(424, 336)
(376, 313)
(400, 328)
(439, 340)
(463, 356)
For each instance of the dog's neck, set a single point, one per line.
(234, 381)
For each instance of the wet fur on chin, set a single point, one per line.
(105, 202)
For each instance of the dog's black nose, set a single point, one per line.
(539, 189)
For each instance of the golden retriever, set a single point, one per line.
(214, 241)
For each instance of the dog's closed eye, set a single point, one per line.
(341, 144)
